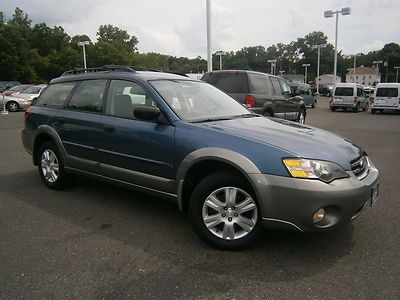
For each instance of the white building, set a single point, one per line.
(363, 75)
(327, 79)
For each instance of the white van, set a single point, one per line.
(386, 97)
(349, 96)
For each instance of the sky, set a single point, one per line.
(178, 27)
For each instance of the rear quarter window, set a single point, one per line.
(387, 92)
(258, 83)
(56, 94)
(229, 82)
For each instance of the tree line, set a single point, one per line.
(37, 53)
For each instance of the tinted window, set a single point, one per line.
(284, 86)
(360, 92)
(258, 83)
(344, 91)
(56, 94)
(276, 86)
(89, 96)
(230, 82)
(124, 96)
(387, 92)
(32, 90)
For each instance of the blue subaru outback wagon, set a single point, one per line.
(231, 170)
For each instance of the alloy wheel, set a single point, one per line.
(50, 166)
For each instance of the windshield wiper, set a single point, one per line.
(211, 119)
(245, 116)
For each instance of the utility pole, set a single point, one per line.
(209, 48)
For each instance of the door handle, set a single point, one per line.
(108, 128)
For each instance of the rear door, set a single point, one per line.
(260, 90)
(387, 96)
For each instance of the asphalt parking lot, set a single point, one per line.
(96, 240)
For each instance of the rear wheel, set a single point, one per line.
(373, 111)
(357, 108)
(224, 212)
(314, 105)
(268, 113)
(12, 106)
(333, 108)
(366, 106)
(302, 117)
(51, 167)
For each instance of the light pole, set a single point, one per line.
(273, 65)
(220, 53)
(377, 62)
(281, 72)
(305, 66)
(354, 69)
(319, 57)
(83, 44)
(209, 55)
(330, 14)
(397, 73)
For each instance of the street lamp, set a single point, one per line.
(329, 14)
(397, 73)
(319, 56)
(305, 66)
(220, 53)
(377, 62)
(273, 65)
(209, 55)
(83, 44)
(281, 72)
(354, 69)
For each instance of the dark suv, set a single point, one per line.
(263, 93)
(232, 170)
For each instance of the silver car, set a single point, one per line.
(22, 100)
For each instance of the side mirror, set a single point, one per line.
(147, 113)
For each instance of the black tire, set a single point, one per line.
(373, 111)
(357, 108)
(333, 108)
(202, 191)
(366, 107)
(12, 106)
(62, 177)
(314, 105)
(302, 116)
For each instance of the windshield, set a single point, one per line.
(32, 90)
(195, 101)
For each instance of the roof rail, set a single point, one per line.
(104, 68)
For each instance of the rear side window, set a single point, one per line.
(387, 92)
(344, 91)
(89, 96)
(258, 83)
(276, 86)
(229, 82)
(56, 94)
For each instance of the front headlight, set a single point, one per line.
(314, 169)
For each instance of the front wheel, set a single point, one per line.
(12, 106)
(51, 167)
(314, 105)
(224, 212)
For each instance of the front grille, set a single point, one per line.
(360, 167)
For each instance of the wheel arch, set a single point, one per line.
(43, 134)
(200, 163)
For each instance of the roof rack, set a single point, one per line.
(104, 68)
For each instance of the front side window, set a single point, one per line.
(195, 101)
(89, 96)
(124, 96)
(56, 94)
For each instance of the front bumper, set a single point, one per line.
(290, 203)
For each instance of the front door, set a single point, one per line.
(132, 150)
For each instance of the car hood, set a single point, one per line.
(300, 140)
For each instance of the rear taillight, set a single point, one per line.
(354, 99)
(27, 113)
(250, 101)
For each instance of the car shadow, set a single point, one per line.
(157, 227)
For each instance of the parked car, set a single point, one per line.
(24, 99)
(386, 97)
(263, 93)
(233, 171)
(349, 96)
(16, 89)
(325, 90)
(5, 85)
(304, 91)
